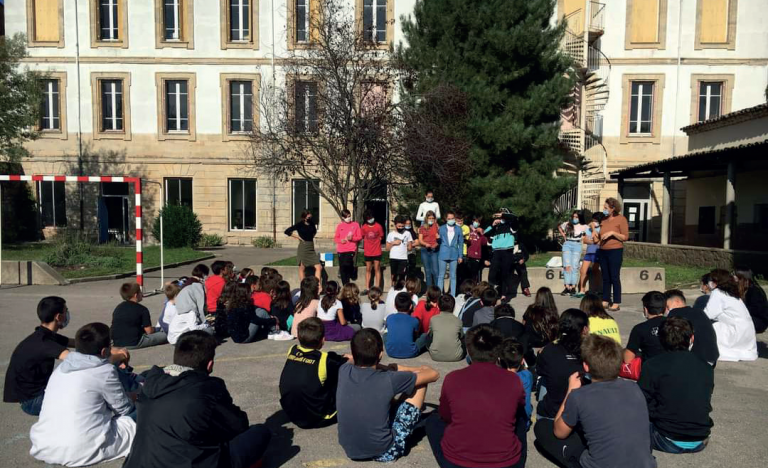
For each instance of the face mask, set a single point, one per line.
(451, 222)
(712, 285)
(606, 212)
(503, 221)
(575, 221)
(309, 219)
(66, 320)
(371, 221)
(401, 230)
(408, 226)
(475, 225)
(597, 229)
(348, 219)
(430, 222)
(430, 199)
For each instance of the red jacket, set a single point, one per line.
(347, 229)
(214, 285)
(424, 315)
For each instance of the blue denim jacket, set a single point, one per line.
(454, 250)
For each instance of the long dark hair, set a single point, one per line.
(239, 296)
(331, 294)
(569, 227)
(282, 297)
(592, 305)
(725, 283)
(545, 299)
(543, 321)
(745, 279)
(308, 293)
(433, 294)
(572, 324)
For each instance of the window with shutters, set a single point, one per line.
(240, 24)
(646, 24)
(109, 23)
(176, 106)
(174, 23)
(716, 24)
(52, 201)
(45, 23)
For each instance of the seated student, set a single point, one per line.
(350, 301)
(398, 286)
(190, 307)
(309, 378)
(504, 321)
(427, 308)
(187, 418)
(447, 336)
(511, 358)
(403, 339)
(374, 311)
(704, 287)
(485, 313)
(282, 309)
(33, 359)
(465, 293)
(644, 337)
(753, 296)
(705, 345)
(481, 420)
(171, 290)
(600, 321)
(262, 288)
(245, 323)
(131, 325)
(331, 312)
(610, 414)
(473, 304)
(364, 398)
(678, 388)
(86, 415)
(214, 285)
(733, 325)
(306, 306)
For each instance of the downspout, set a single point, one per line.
(677, 77)
(274, 174)
(79, 121)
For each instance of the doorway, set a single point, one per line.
(113, 213)
(637, 199)
(379, 206)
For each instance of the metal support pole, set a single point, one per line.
(139, 236)
(666, 209)
(730, 206)
(162, 254)
(1, 234)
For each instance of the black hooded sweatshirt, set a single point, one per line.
(184, 421)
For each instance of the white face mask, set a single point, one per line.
(711, 285)
(430, 199)
(371, 221)
(348, 219)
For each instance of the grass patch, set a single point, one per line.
(117, 259)
(291, 261)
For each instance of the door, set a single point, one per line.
(637, 217)
(379, 205)
(114, 213)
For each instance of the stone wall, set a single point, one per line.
(703, 257)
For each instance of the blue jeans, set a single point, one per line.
(441, 275)
(429, 260)
(571, 257)
(663, 444)
(33, 406)
(610, 268)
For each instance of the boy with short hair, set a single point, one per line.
(399, 243)
(171, 290)
(678, 387)
(309, 378)
(705, 345)
(131, 325)
(214, 285)
(644, 337)
(364, 398)
(403, 338)
(511, 358)
(86, 414)
(445, 328)
(485, 314)
(186, 417)
(33, 359)
(610, 412)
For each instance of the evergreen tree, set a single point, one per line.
(504, 54)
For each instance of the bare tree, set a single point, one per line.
(333, 121)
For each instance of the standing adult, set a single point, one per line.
(347, 235)
(733, 325)
(451, 251)
(614, 231)
(428, 240)
(502, 236)
(753, 296)
(572, 231)
(429, 204)
(304, 231)
(373, 234)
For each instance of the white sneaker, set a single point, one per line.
(282, 336)
(271, 336)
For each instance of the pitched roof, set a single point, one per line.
(749, 113)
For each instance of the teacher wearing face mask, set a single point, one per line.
(451, 242)
(304, 231)
(348, 234)
(614, 231)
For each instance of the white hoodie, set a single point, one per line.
(83, 419)
(426, 207)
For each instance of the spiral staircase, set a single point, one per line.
(581, 127)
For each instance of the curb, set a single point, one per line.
(90, 279)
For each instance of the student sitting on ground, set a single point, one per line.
(504, 321)
(753, 296)
(86, 414)
(403, 339)
(465, 293)
(705, 345)
(511, 358)
(678, 388)
(214, 285)
(309, 378)
(171, 290)
(33, 359)
(331, 312)
(350, 301)
(472, 305)
(610, 413)
(187, 418)
(374, 311)
(600, 321)
(427, 308)
(245, 323)
(364, 398)
(131, 325)
(733, 325)
(644, 338)
(481, 420)
(190, 307)
(282, 305)
(447, 336)
(306, 306)
(485, 313)
(262, 288)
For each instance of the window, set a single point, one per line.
(174, 23)
(109, 23)
(710, 100)
(111, 105)
(239, 16)
(242, 204)
(641, 108)
(706, 220)
(375, 20)
(52, 200)
(240, 106)
(374, 97)
(172, 20)
(176, 106)
(761, 216)
(305, 106)
(716, 24)
(305, 197)
(239, 24)
(178, 192)
(45, 23)
(302, 20)
(108, 20)
(646, 24)
(50, 108)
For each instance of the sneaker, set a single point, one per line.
(566, 292)
(578, 295)
(283, 336)
(271, 336)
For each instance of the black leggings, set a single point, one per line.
(346, 267)
(564, 452)
(610, 268)
(503, 273)
(248, 448)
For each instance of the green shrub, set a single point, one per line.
(210, 240)
(73, 250)
(265, 242)
(181, 228)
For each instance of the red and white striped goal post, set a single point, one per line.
(136, 181)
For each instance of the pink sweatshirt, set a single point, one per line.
(342, 231)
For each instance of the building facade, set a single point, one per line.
(650, 68)
(168, 90)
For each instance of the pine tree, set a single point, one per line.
(504, 54)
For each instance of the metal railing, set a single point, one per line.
(596, 16)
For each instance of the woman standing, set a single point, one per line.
(572, 231)
(428, 236)
(733, 325)
(753, 297)
(304, 231)
(614, 231)
(347, 235)
(451, 251)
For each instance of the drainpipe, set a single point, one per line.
(274, 174)
(677, 77)
(79, 121)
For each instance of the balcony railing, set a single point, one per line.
(597, 17)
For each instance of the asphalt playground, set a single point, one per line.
(252, 372)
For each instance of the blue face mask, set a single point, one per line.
(451, 222)
(475, 225)
(575, 221)
(606, 212)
